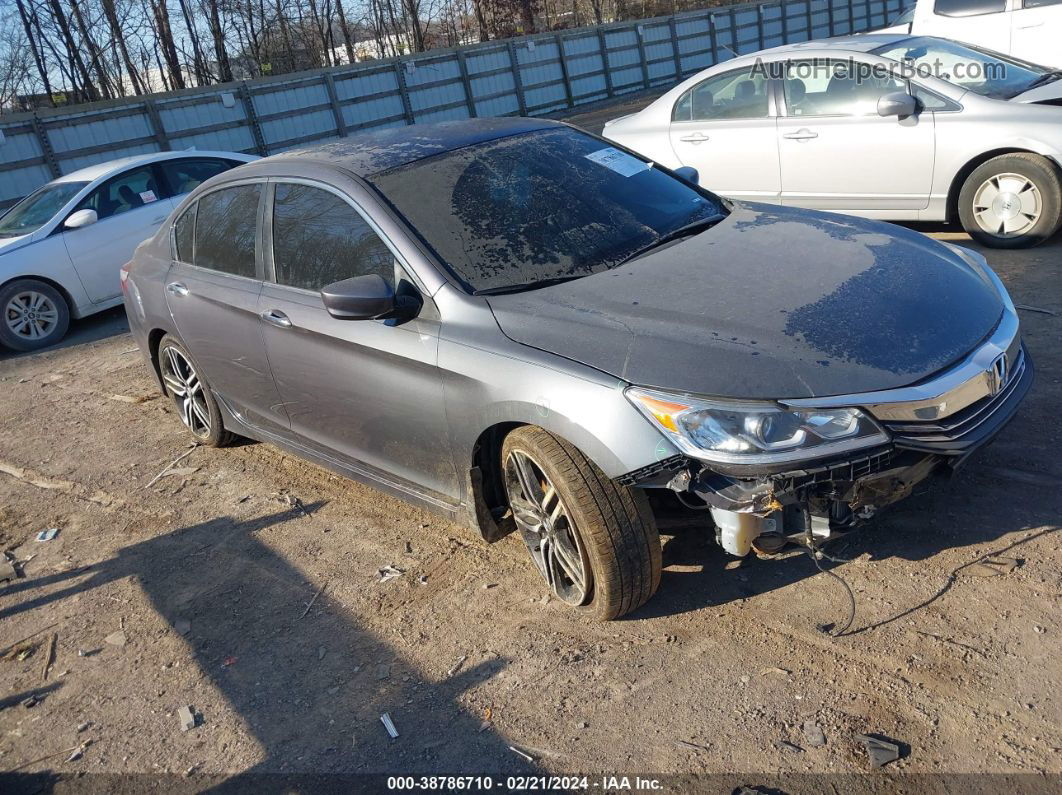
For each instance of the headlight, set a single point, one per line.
(755, 433)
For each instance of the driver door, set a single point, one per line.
(129, 208)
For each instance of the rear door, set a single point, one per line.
(129, 208)
(1036, 31)
(725, 128)
(837, 153)
(364, 392)
(212, 292)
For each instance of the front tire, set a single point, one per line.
(35, 315)
(594, 541)
(1012, 201)
(191, 394)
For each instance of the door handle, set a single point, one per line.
(801, 135)
(276, 318)
(176, 288)
(695, 138)
(1033, 25)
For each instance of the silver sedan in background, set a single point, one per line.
(896, 127)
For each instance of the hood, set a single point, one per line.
(771, 303)
(11, 243)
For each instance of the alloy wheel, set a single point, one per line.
(31, 315)
(1007, 205)
(187, 391)
(548, 529)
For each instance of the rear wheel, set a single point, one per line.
(191, 394)
(35, 315)
(595, 542)
(1012, 201)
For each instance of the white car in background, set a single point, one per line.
(861, 125)
(62, 247)
(1027, 29)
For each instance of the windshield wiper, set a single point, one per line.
(686, 230)
(1050, 77)
(533, 285)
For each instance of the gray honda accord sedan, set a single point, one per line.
(527, 328)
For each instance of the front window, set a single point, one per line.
(835, 88)
(982, 71)
(533, 208)
(38, 208)
(129, 191)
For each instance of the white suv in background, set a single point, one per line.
(1027, 29)
(61, 248)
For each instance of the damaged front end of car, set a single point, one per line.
(806, 470)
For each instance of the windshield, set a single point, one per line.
(38, 208)
(541, 206)
(981, 71)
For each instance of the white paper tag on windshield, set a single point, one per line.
(148, 196)
(620, 162)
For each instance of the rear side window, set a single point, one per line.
(734, 95)
(184, 234)
(187, 173)
(319, 239)
(225, 230)
(968, 8)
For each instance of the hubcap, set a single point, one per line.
(547, 529)
(184, 386)
(31, 315)
(1007, 205)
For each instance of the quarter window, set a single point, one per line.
(187, 173)
(968, 8)
(319, 239)
(833, 88)
(735, 95)
(184, 234)
(129, 191)
(225, 230)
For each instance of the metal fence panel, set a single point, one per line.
(531, 75)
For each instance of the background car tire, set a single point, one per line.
(1010, 171)
(205, 423)
(51, 315)
(614, 523)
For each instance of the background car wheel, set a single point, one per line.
(594, 541)
(1012, 201)
(35, 315)
(191, 394)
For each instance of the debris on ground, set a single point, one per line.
(186, 718)
(179, 472)
(7, 571)
(1037, 309)
(49, 656)
(115, 639)
(47, 535)
(409, 548)
(488, 585)
(31, 702)
(388, 573)
(813, 734)
(993, 566)
(87, 652)
(83, 726)
(228, 661)
(20, 651)
(457, 665)
(182, 626)
(775, 670)
(880, 750)
(134, 399)
(321, 652)
(522, 754)
(383, 671)
(170, 466)
(389, 725)
(79, 751)
(422, 579)
(319, 592)
(785, 745)
(691, 746)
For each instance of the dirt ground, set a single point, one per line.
(209, 589)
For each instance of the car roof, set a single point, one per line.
(864, 42)
(365, 154)
(108, 167)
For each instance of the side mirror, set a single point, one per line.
(359, 298)
(81, 218)
(689, 174)
(897, 104)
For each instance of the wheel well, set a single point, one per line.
(51, 283)
(965, 171)
(154, 338)
(488, 488)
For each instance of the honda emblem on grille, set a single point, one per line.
(997, 374)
